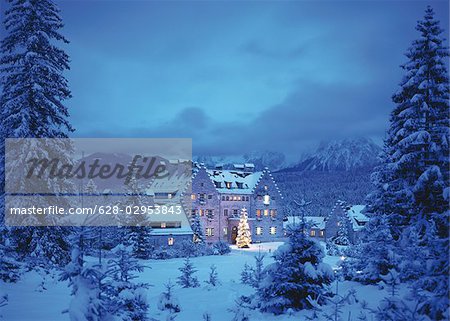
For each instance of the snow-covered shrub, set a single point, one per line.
(221, 248)
(298, 273)
(207, 316)
(167, 301)
(187, 278)
(332, 249)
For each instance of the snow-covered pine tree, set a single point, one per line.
(167, 300)
(86, 281)
(412, 184)
(259, 269)
(297, 276)
(197, 229)
(187, 278)
(370, 260)
(127, 298)
(213, 279)
(342, 237)
(141, 242)
(244, 236)
(9, 267)
(247, 275)
(33, 89)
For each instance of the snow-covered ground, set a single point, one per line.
(31, 299)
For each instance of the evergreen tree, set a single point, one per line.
(197, 229)
(213, 279)
(370, 260)
(167, 300)
(141, 242)
(244, 237)
(297, 277)
(341, 237)
(187, 278)
(128, 299)
(31, 105)
(412, 184)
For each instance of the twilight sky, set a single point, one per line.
(238, 76)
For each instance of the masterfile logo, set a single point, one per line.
(96, 182)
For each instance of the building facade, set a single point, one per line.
(218, 195)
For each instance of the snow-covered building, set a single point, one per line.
(168, 193)
(349, 217)
(218, 195)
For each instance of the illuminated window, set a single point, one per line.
(170, 241)
(266, 212)
(266, 200)
(265, 187)
(209, 231)
(273, 230)
(321, 233)
(193, 197)
(238, 198)
(225, 231)
(258, 213)
(273, 213)
(235, 198)
(228, 184)
(163, 224)
(312, 233)
(200, 212)
(258, 230)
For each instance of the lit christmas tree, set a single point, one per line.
(244, 237)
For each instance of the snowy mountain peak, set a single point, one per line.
(341, 155)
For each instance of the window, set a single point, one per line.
(209, 231)
(223, 198)
(321, 233)
(266, 212)
(266, 200)
(210, 196)
(193, 212)
(258, 213)
(169, 195)
(201, 197)
(240, 185)
(170, 241)
(273, 230)
(258, 230)
(193, 197)
(266, 187)
(163, 225)
(228, 185)
(312, 233)
(225, 212)
(228, 198)
(238, 198)
(202, 184)
(210, 214)
(235, 212)
(225, 231)
(200, 212)
(273, 213)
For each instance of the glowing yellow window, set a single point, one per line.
(266, 212)
(170, 241)
(312, 233)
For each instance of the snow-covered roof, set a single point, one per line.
(240, 182)
(317, 222)
(356, 216)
